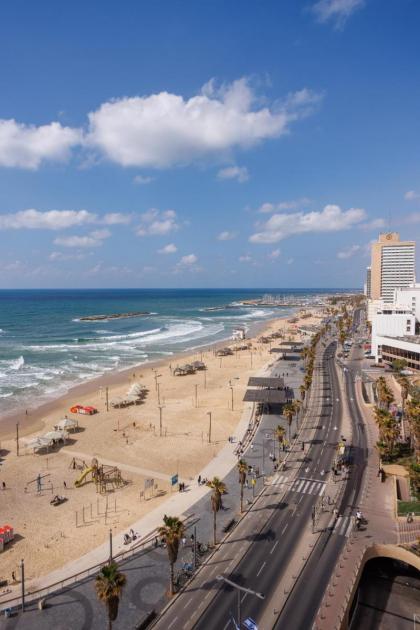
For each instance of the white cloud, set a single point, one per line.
(290, 261)
(27, 146)
(94, 239)
(32, 219)
(375, 224)
(411, 195)
(330, 219)
(162, 130)
(190, 259)
(274, 254)
(116, 218)
(51, 220)
(226, 236)
(157, 223)
(245, 259)
(348, 252)
(338, 11)
(294, 204)
(168, 249)
(142, 180)
(54, 256)
(240, 173)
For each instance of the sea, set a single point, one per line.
(46, 348)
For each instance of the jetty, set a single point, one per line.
(95, 318)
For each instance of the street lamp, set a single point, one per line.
(209, 415)
(160, 419)
(231, 391)
(240, 589)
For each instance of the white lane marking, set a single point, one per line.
(305, 487)
(261, 568)
(275, 544)
(298, 489)
(309, 479)
(188, 603)
(243, 598)
(349, 528)
(284, 529)
(228, 624)
(172, 622)
(322, 490)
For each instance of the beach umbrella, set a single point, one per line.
(55, 435)
(67, 423)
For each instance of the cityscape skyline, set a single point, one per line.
(275, 166)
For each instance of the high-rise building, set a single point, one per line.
(392, 266)
(368, 285)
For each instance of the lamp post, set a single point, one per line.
(231, 392)
(110, 545)
(22, 580)
(209, 415)
(240, 589)
(160, 420)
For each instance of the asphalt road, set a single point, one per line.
(273, 543)
(305, 599)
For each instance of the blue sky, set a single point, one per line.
(205, 143)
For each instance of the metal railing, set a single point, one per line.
(142, 546)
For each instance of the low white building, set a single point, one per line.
(409, 297)
(391, 321)
(406, 348)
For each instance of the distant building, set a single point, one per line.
(392, 266)
(368, 284)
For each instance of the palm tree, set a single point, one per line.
(172, 531)
(280, 432)
(405, 387)
(108, 585)
(297, 406)
(289, 412)
(242, 470)
(219, 488)
(302, 390)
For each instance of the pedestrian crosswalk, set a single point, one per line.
(343, 526)
(301, 485)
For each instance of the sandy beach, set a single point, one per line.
(48, 536)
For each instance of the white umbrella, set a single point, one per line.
(67, 423)
(38, 442)
(55, 435)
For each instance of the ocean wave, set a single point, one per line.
(6, 395)
(17, 363)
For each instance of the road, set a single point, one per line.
(272, 544)
(303, 604)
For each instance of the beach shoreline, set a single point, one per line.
(31, 419)
(179, 428)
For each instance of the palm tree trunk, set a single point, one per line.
(242, 496)
(171, 580)
(214, 526)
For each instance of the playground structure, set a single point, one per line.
(103, 476)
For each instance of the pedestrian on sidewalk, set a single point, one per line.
(199, 479)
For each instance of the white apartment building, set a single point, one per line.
(398, 269)
(392, 266)
(390, 322)
(409, 297)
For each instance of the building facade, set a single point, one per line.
(392, 266)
